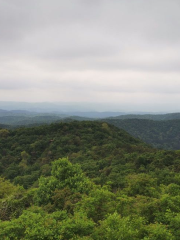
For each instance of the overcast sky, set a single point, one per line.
(123, 52)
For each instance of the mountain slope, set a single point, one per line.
(95, 145)
(127, 189)
(105, 152)
(160, 134)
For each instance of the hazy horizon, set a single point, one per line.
(74, 107)
(109, 55)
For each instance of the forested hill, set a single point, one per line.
(18, 118)
(25, 150)
(86, 180)
(155, 117)
(160, 134)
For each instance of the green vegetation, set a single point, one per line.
(159, 130)
(86, 180)
(160, 134)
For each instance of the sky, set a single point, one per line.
(115, 52)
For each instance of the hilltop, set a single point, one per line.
(87, 143)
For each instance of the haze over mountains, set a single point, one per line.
(159, 130)
(24, 117)
(89, 120)
(24, 113)
(70, 107)
(56, 111)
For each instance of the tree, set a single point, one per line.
(4, 133)
(64, 175)
(115, 227)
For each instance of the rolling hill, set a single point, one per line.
(160, 134)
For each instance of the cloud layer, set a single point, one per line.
(121, 52)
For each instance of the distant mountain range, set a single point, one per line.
(159, 130)
(24, 117)
(156, 117)
(160, 134)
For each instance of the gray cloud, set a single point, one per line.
(89, 47)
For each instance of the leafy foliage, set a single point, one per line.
(104, 185)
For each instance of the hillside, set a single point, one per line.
(86, 180)
(160, 134)
(83, 142)
(155, 117)
(27, 152)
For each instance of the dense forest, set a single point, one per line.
(86, 180)
(159, 130)
(160, 134)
